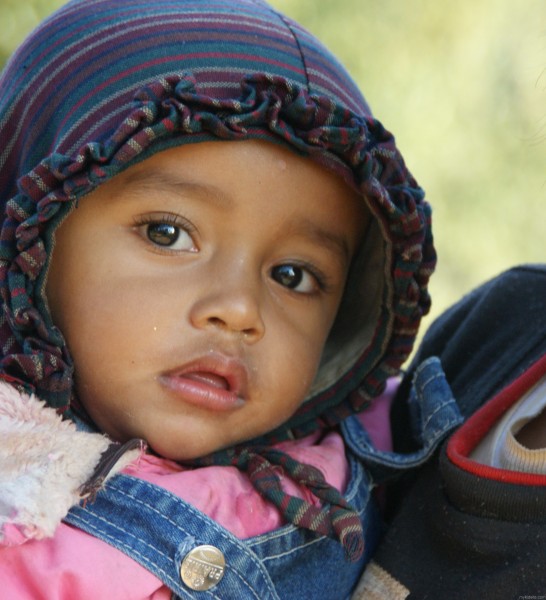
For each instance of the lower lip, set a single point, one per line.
(202, 394)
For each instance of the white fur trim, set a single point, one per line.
(43, 463)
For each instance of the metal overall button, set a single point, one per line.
(202, 568)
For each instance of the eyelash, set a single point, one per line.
(323, 282)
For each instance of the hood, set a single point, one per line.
(103, 84)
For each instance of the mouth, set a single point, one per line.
(213, 382)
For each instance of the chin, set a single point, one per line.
(179, 454)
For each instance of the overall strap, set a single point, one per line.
(190, 553)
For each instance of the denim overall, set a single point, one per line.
(160, 531)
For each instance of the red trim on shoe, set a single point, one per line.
(467, 437)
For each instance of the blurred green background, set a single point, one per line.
(463, 87)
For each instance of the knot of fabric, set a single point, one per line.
(335, 518)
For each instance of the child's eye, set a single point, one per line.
(166, 233)
(169, 236)
(163, 234)
(295, 278)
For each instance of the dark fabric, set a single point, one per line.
(454, 534)
(491, 498)
(438, 551)
(485, 341)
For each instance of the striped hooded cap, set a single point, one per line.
(103, 84)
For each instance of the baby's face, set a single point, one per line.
(196, 290)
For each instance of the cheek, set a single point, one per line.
(295, 357)
(109, 328)
(303, 351)
(95, 317)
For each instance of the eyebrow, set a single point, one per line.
(336, 243)
(165, 180)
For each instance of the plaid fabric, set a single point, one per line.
(104, 83)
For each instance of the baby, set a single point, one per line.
(213, 257)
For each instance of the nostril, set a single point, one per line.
(241, 320)
(248, 333)
(216, 321)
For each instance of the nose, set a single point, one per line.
(230, 304)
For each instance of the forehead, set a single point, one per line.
(249, 173)
(249, 156)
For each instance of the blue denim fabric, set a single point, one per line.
(158, 529)
(433, 412)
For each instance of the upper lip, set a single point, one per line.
(230, 368)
